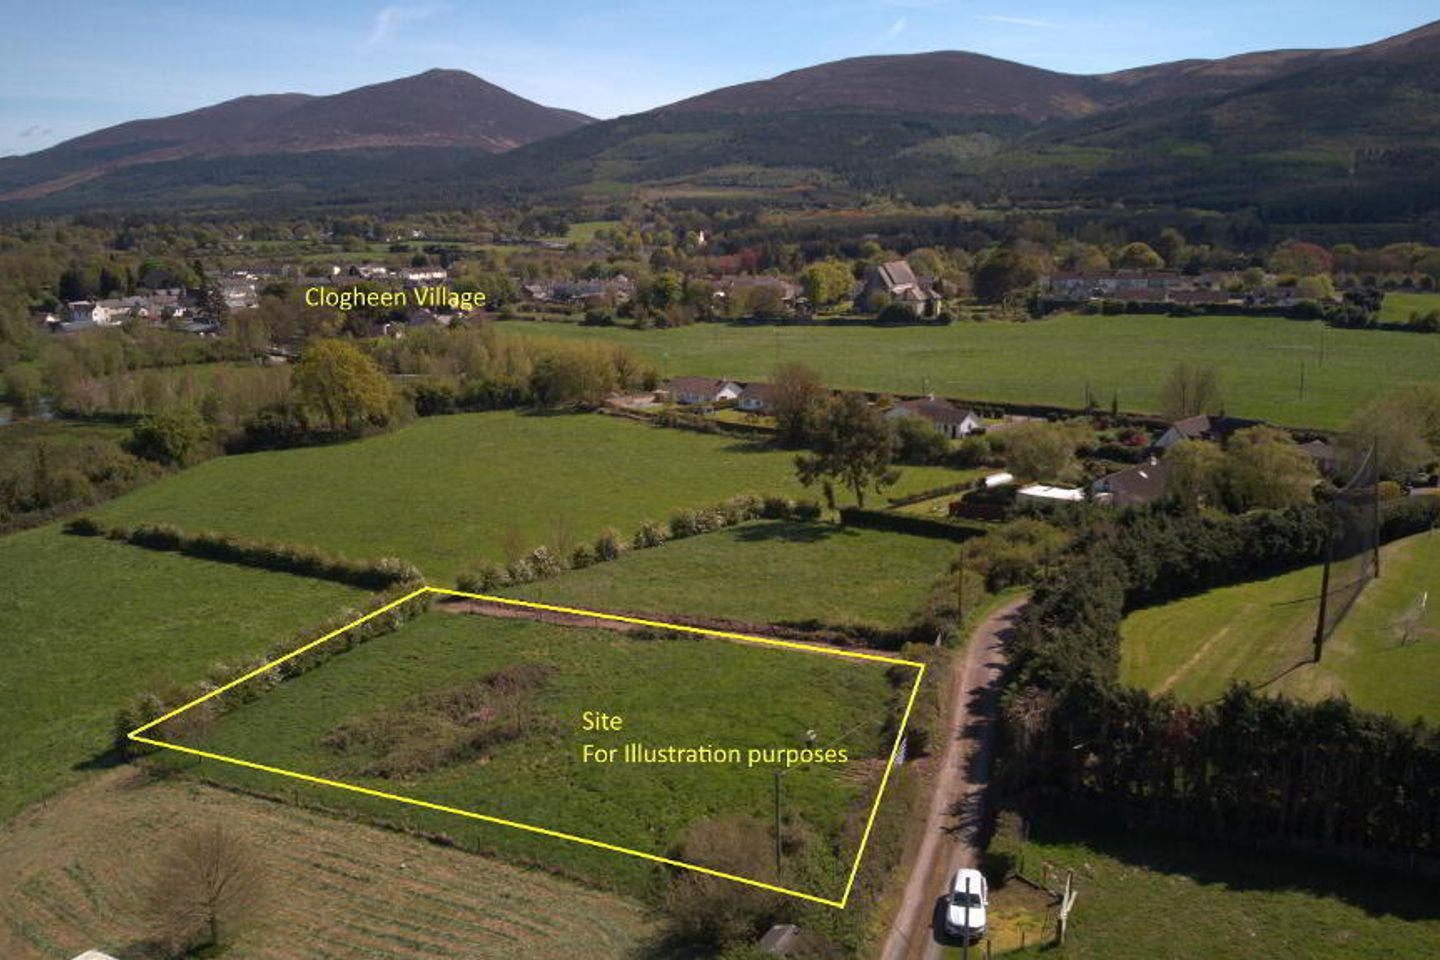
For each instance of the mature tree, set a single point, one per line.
(826, 282)
(1266, 469)
(206, 882)
(341, 385)
(920, 441)
(1001, 274)
(1404, 428)
(1301, 259)
(1191, 389)
(1171, 246)
(854, 445)
(799, 398)
(580, 373)
(24, 388)
(1316, 287)
(1039, 451)
(1196, 472)
(176, 437)
(1139, 256)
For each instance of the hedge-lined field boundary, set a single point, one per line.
(152, 705)
(298, 559)
(542, 563)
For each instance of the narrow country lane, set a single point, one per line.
(956, 811)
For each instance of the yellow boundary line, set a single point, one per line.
(137, 735)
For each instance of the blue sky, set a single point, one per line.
(70, 67)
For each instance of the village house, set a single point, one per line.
(899, 283)
(91, 312)
(1216, 429)
(691, 391)
(239, 294)
(1135, 486)
(419, 276)
(787, 291)
(944, 415)
(757, 398)
(617, 289)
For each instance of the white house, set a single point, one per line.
(88, 311)
(944, 415)
(419, 275)
(695, 390)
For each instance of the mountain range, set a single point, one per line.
(1335, 135)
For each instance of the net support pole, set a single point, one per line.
(1375, 501)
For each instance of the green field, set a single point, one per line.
(683, 691)
(448, 491)
(764, 572)
(1052, 361)
(1145, 896)
(1398, 307)
(1261, 633)
(86, 624)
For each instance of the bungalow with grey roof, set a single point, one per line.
(1204, 426)
(1135, 486)
(756, 397)
(944, 415)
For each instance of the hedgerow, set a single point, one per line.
(541, 562)
(300, 560)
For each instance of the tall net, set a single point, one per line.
(1352, 557)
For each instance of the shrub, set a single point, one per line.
(543, 563)
(608, 546)
(84, 527)
(582, 557)
(483, 579)
(649, 535)
(777, 508)
(738, 509)
(684, 523)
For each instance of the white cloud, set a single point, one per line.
(897, 28)
(1018, 21)
(389, 20)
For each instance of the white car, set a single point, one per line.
(965, 904)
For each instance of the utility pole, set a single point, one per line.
(778, 772)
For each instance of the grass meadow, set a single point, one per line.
(764, 572)
(1144, 895)
(447, 491)
(86, 624)
(1052, 361)
(1398, 307)
(365, 718)
(1261, 633)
